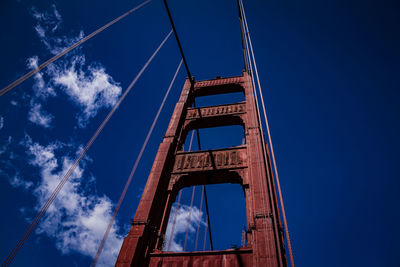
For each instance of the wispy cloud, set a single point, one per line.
(182, 221)
(1, 122)
(40, 87)
(90, 88)
(17, 181)
(42, 91)
(88, 85)
(40, 117)
(76, 220)
(47, 23)
(4, 147)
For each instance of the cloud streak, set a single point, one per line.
(47, 23)
(88, 86)
(182, 220)
(76, 220)
(91, 88)
(40, 87)
(40, 117)
(17, 181)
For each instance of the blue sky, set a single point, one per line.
(330, 77)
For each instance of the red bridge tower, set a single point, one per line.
(173, 169)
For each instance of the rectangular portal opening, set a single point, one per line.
(221, 99)
(215, 138)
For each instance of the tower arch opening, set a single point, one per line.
(187, 228)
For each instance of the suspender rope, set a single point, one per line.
(65, 51)
(174, 221)
(135, 166)
(65, 178)
(205, 235)
(272, 149)
(208, 220)
(270, 182)
(261, 183)
(191, 202)
(177, 205)
(198, 223)
(190, 217)
(204, 188)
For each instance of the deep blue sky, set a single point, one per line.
(330, 77)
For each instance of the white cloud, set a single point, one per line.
(40, 31)
(40, 117)
(14, 103)
(17, 181)
(75, 220)
(87, 85)
(57, 15)
(4, 147)
(40, 87)
(92, 89)
(182, 220)
(47, 23)
(1, 122)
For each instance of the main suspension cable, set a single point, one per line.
(271, 146)
(43, 210)
(65, 51)
(246, 67)
(192, 86)
(178, 42)
(99, 250)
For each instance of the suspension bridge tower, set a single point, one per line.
(173, 169)
(248, 165)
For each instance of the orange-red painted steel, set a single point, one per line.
(174, 169)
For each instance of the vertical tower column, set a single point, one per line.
(142, 235)
(265, 245)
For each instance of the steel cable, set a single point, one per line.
(271, 146)
(192, 84)
(174, 221)
(65, 51)
(205, 232)
(198, 223)
(134, 169)
(43, 210)
(189, 219)
(260, 182)
(177, 206)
